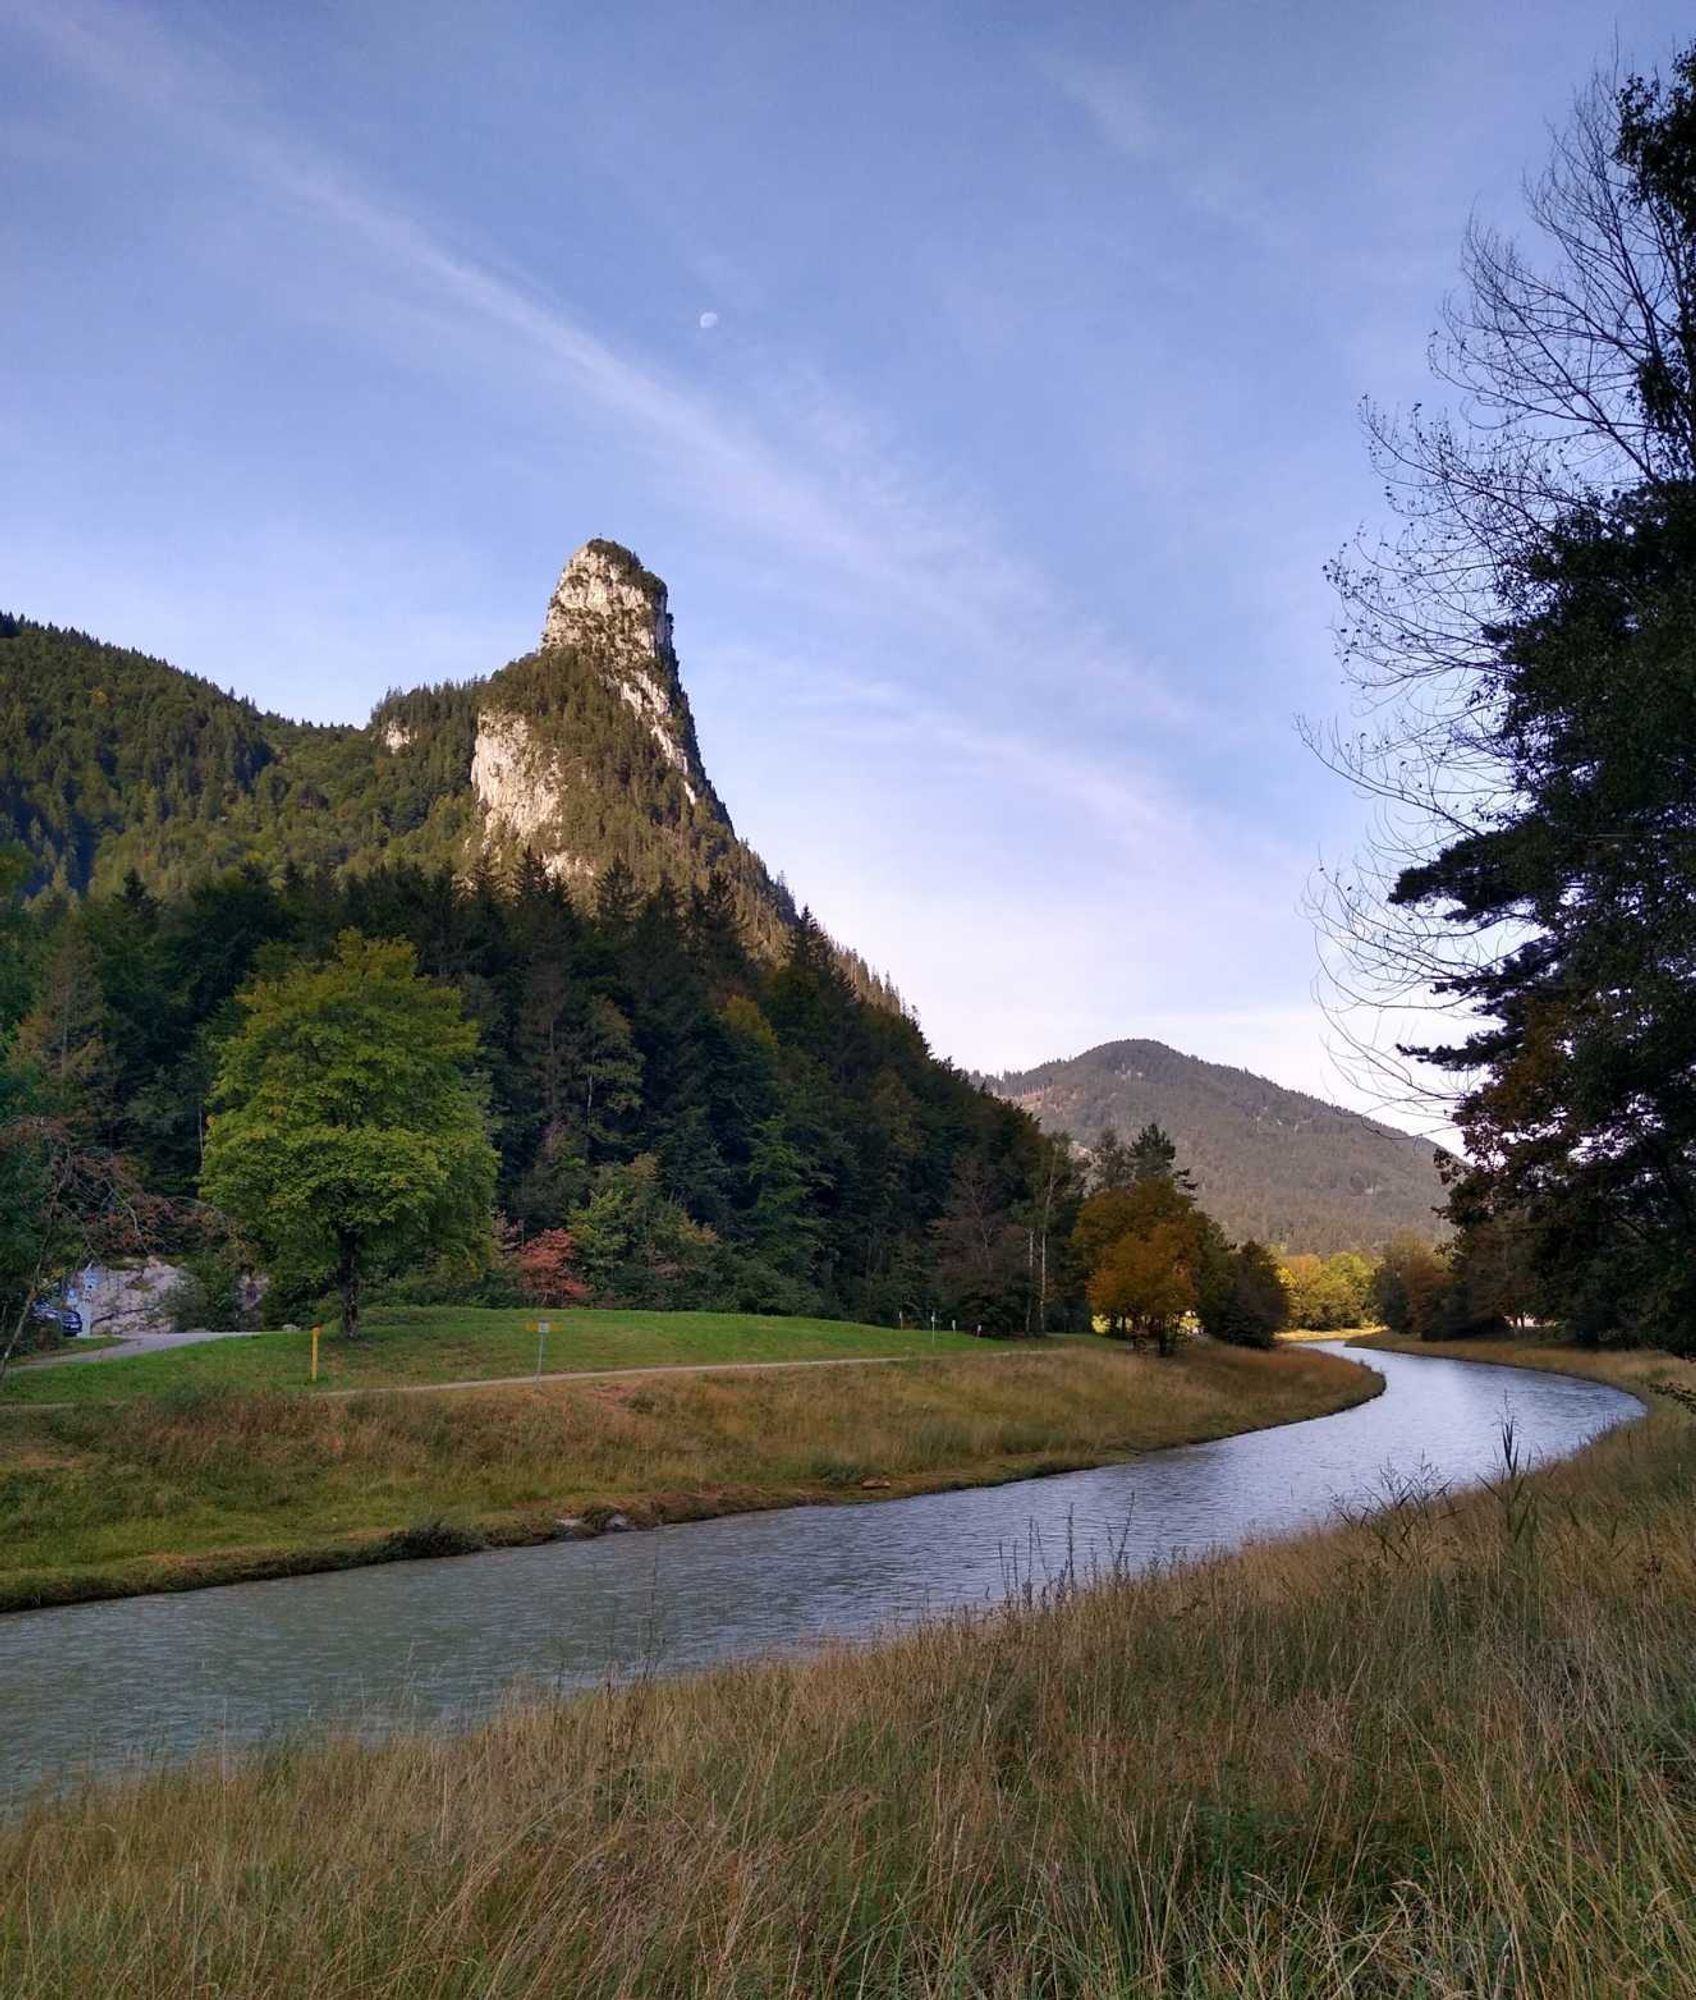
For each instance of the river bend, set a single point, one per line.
(94, 1686)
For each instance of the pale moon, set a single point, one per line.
(708, 321)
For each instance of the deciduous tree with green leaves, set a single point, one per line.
(1328, 1294)
(350, 1136)
(636, 1246)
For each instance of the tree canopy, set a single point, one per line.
(1533, 632)
(646, 1069)
(1154, 1258)
(350, 1137)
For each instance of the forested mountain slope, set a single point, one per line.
(1270, 1163)
(709, 1099)
(582, 753)
(711, 1127)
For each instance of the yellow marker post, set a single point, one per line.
(315, 1333)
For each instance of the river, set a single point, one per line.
(96, 1686)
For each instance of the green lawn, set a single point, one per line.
(464, 1343)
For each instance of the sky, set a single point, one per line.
(984, 380)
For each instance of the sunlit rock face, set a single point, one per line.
(607, 607)
(546, 771)
(606, 599)
(521, 788)
(516, 782)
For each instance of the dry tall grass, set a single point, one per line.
(1450, 1751)
(212, 1485)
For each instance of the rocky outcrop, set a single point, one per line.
(126, 1298)
(606, 600)
(521, 789)
(608, 608)
(580, 752)
(584, 752)
(640, 691)
(517, 783)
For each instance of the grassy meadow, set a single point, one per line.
(400, 1345)
(202, 1485)
(1445, 1752)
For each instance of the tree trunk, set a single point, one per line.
(349, 1285)
(15, 1334)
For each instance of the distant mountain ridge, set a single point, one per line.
(581, 754)
(1270, 1163)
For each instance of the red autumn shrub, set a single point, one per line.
(545, 1267)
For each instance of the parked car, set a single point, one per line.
(45, 1312)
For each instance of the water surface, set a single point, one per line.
(93, 1685)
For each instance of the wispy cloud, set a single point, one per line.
(1103, 880)
(1126, 805)
(1115, 103)
(1122, 804)
(818, 478)
(1111, 96)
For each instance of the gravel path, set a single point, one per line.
(136, 1343)
(992, 1350)
(651, 1368)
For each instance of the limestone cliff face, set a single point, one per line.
(606, 607)
(519, 785)
(605, 597)
(515, 782)
(585, 751)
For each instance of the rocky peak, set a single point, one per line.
(605, 599)
(541, 784)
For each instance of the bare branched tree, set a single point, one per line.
(1568, 370)
(85, 1201)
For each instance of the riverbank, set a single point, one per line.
(1642, 1371)
(179, 1491)
(1443, 1751)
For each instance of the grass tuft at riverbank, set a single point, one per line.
(1644, 1371)
(208, 1486)
(1441, 1753)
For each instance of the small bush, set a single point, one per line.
(209, 1292)
(435, 1538)
(832, 1468)
(448, 1285)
